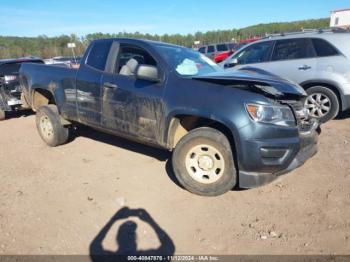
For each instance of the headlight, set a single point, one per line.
(10, 78)
(278, 115)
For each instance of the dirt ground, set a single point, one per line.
(65, 200)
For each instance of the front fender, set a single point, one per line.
(173, 115)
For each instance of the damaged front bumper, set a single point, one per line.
(308, 148)
(9, 99)
(14, 102)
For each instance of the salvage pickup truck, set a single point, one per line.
(242, 129)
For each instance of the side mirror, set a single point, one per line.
(147, 72)
(233, 62)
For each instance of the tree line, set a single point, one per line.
(47, 47)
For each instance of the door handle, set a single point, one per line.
(304, 67)
(110, 85)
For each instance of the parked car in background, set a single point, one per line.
(318, 60)
(220, 52)
(245, 42)
(249, 40)
(222, 56)
(65, 61)
(10, 89)
(217, 52)
(225, 129)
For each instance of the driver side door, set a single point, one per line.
(132, 107)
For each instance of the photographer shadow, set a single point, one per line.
(126, 237)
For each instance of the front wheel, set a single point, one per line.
(203, 162)
(49, 126)
(322, 103)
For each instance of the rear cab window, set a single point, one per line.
(290, 49)
(98, 55)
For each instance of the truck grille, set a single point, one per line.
(304, 122)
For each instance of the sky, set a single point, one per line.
(56, 17)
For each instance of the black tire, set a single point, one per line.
(56, 134)
(2, 115)
(334, 102)
(216, 140)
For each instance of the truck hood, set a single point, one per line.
(258, 79)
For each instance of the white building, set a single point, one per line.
(340, 18)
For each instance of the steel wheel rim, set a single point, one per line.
(46, 126)
(205, 164)
(318, 105)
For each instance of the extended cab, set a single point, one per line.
(244, 128)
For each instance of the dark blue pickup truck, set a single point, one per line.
(225, 129)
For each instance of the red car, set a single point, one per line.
(233, 48)
(222, 56)
(214, 50)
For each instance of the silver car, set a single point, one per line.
(318, 60)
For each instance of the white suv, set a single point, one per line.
(317, 60)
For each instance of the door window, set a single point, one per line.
(292, 49)
(256, 53)
(129, 59)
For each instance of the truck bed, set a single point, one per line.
(47, 77)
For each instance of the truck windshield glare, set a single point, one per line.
(188, 62)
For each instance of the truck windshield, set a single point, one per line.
(187, 62)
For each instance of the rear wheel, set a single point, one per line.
(2, 115)
(322, 103)
(49, 126)
(203, 162)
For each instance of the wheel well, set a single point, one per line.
(329, 86)
(182, 124)
(42, 97)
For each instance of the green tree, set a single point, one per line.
(47, 47)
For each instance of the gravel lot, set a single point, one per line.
(64, 200)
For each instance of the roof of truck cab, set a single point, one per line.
(138, 40)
